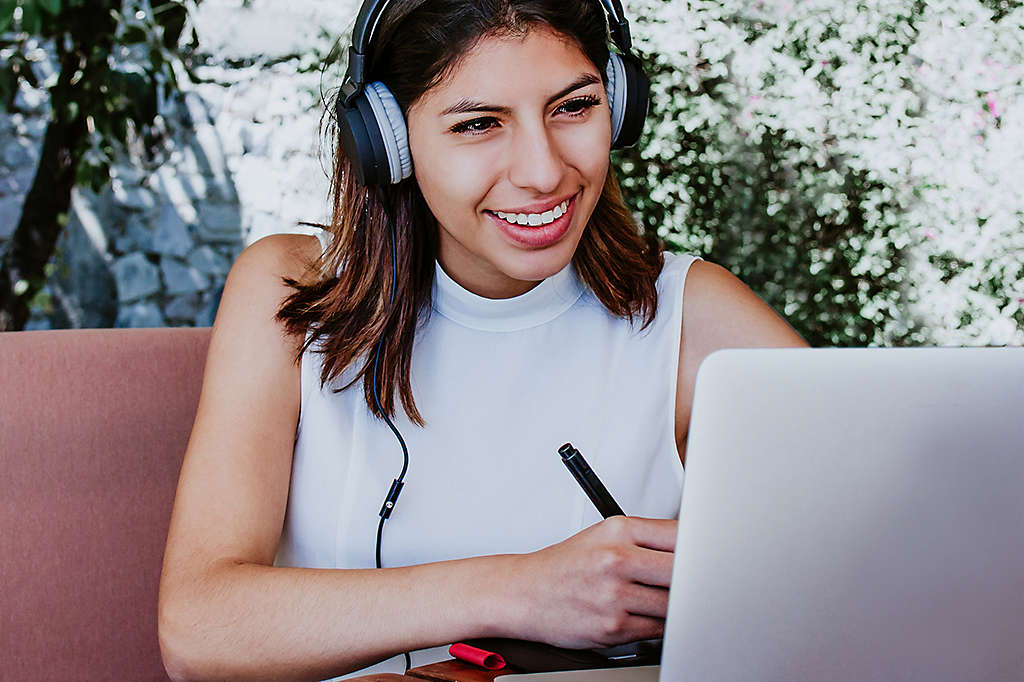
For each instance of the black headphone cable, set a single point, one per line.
(396, 485)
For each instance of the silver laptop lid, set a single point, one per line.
(852, 514)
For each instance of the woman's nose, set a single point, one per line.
(535, 161)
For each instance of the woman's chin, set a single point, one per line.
(534, 266)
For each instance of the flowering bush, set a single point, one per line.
(858, 165)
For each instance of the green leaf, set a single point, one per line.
(42, 301)
(51, 6)
(7, 8)
(31, 19)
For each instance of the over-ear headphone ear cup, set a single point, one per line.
(375, 138)
(361, 140)
(628, 92)
(616, 91)
(393, 131)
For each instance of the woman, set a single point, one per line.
(494, 305)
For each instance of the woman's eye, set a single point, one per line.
(577, 107)
(474, 127)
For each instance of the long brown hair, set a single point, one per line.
(345, 310)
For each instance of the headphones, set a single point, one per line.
(373, 128)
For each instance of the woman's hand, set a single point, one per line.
(606, 585)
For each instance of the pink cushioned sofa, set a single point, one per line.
(93, 426)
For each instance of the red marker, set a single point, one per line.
(476, 656)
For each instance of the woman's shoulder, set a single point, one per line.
(675, 271)
(720, 311)
(677, 262)
(256, 285)
(278, 255)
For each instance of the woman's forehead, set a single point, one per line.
(501, 69)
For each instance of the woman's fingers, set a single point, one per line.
(645, 600)
(656, 534)
(643, 547)
(650, 567)
(630, 628)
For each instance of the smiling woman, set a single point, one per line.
(481, 296)
(543, 144)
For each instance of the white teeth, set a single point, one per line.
(535, 219)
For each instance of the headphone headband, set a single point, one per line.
(371, 11)
(373, 129)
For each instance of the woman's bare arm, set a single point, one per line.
(720, 311)
(226, 612)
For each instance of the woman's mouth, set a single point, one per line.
(536, 230)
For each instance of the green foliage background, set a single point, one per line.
(123, 55)
(115, 62)
(785, 142)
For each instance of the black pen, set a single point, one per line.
(589, 481)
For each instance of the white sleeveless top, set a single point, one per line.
(501, 384)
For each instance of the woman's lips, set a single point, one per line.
(539, 236)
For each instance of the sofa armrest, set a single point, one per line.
(93, 427)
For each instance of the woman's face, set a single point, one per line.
(520, 127)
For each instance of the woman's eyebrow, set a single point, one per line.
(468, 105)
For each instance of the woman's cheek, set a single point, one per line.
(456, 188)
(588, 145)
(471, 171)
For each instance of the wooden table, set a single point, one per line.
(445, 671)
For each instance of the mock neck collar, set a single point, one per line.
(541, 304)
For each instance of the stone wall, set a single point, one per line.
(244, 161)
(21, 135)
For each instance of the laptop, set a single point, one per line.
(848, 514)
